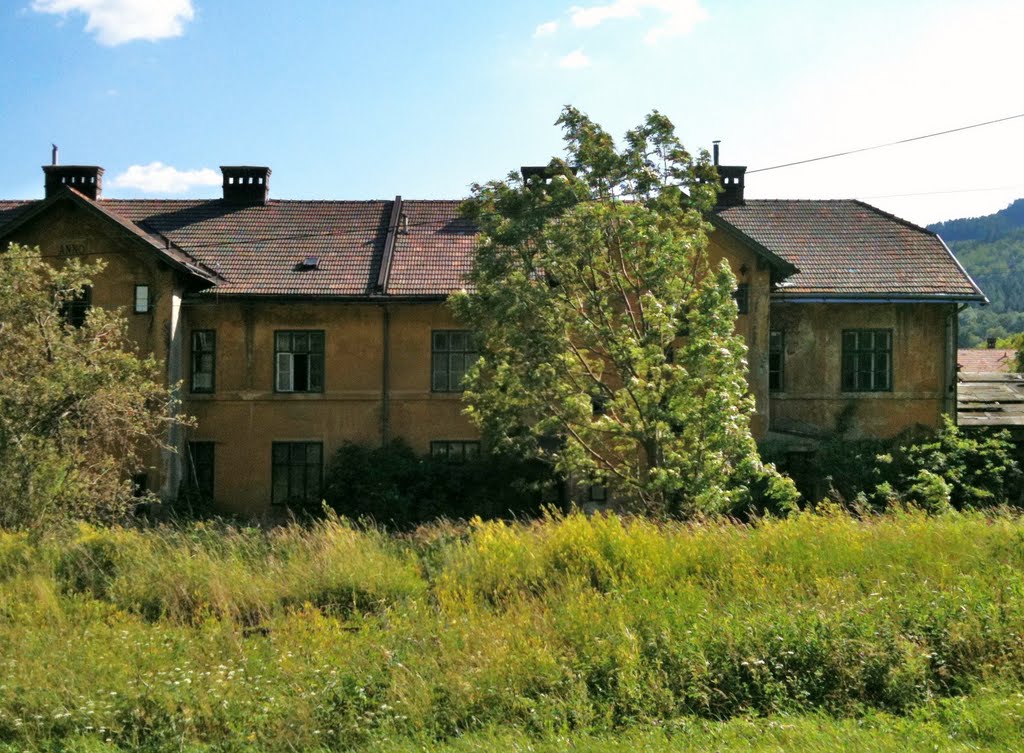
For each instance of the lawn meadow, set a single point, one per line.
(819, 632)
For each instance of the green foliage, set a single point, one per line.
(330, 637)
(607, 339)
(979, 469)
(1014, 342)
(395, 487)
(78, 408)
(949, 467)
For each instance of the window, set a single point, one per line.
(867, 360)
(297, 471)
(299, 361)
(142, 302)
(597, 493)
(776, 361)
(204, 360)
(200, 468)
(456, 451)
(453, 352)
(742, 298)
(74, 310)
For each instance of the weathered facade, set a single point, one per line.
(294, 326)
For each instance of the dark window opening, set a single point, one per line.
(742, 298)
(204, 360)
(299, 361)
(455, 451)
(776, 360)
(597, 493)
(297, 472)
(867, 360)
(200, 468)
(75, 309)
(140, 484)
(453, 353)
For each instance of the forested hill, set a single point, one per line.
(988, 228)
(991, 248)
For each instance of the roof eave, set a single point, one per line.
(130, 229)
(783, 267)
(877, 297)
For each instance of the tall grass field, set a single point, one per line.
(820, 632)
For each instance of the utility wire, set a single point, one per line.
(937, 193)
(882, 146)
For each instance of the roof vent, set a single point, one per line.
(246, 184)
(86, 179)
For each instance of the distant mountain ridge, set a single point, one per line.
(986, 228)
(991, 248)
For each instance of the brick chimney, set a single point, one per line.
(245, 184)
(86, 179)
(732, 177)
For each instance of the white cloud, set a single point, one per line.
(117, 21)
(546, 29)
(156, 177)
(575, 60)
(680, 16)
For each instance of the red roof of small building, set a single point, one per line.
(985, 360)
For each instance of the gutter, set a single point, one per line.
(783, 298)
(985, 301)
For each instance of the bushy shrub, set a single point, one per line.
(979, 468)
(974, 470)
(395, 487)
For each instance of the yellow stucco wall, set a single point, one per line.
(813, 400)
(244, 416)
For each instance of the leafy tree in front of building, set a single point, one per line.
(78, 407)
(606, 335)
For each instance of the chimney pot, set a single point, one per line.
(246, 184)
(86, 179)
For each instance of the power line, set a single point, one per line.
(890, 143)
(938, 193)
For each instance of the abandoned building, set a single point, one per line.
(294, 326)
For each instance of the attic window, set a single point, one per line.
(311, 262)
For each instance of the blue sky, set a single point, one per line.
(348, 100)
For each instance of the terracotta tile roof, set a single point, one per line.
(260, 249)
(849, 248)
(985, 360)
(436, 253)
(840, 248)
(10, 210)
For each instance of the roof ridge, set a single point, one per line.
(889, 215)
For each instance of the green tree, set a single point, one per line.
(606, 337)
(78, 407)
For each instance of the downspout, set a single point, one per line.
(387, 255)
(385, 376)
(952, 341)
(172, 453)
